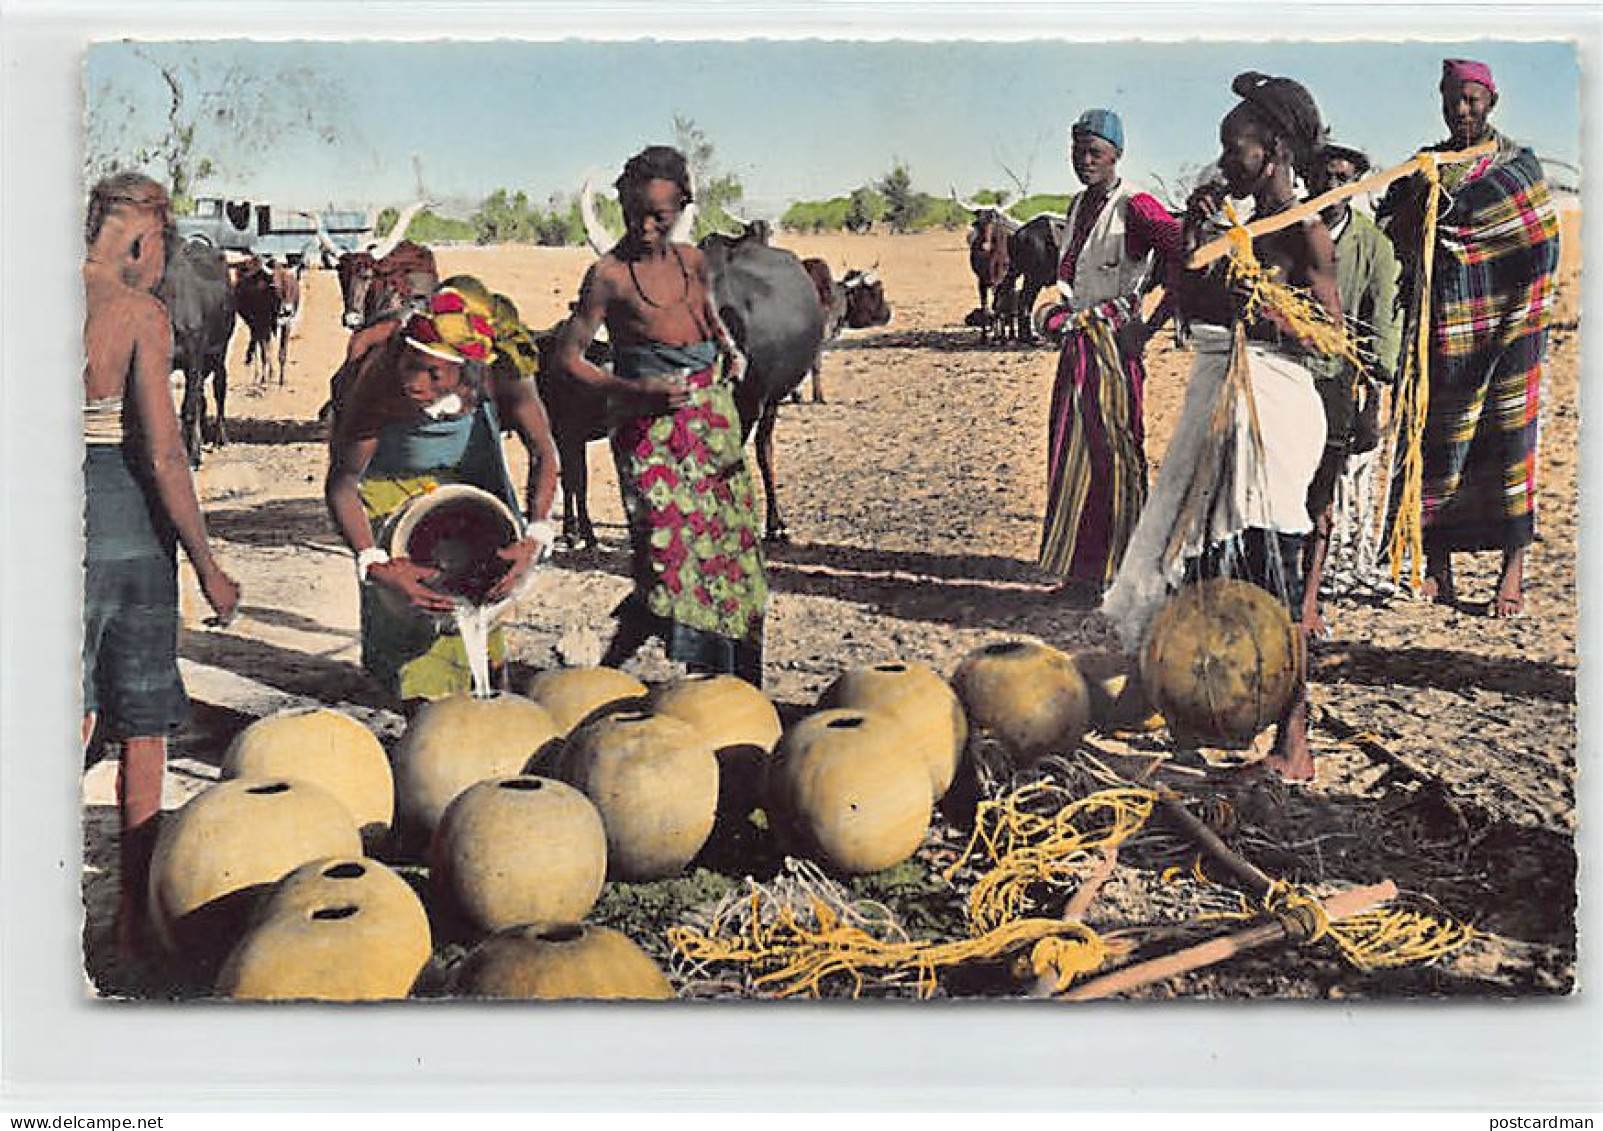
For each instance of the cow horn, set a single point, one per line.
(599, 241)
(323, 237)
(398, 233)
(686, 224)
(969, 204)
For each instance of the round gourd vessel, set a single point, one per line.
(725, 709)
(655, 781)
(459, 741)
(1118, 699)
(324, 747)
(844, 788)
(917, 697)
(215, 857)
(572, 695)
(1029, 695)
(573, 960)
(1222, 661)
(521, 849)
(338, 929)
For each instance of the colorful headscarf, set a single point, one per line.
(1101, 123)
(455, 326)
(512, 337)
(1467, 70)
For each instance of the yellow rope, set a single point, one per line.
(1039, 834)
(793, 955)
(1303, 316)
(1413, 397)
(1379, 939)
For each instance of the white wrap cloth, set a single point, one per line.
(1245, 480)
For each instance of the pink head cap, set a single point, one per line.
(1468, 70)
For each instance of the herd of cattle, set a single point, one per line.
(782, 310)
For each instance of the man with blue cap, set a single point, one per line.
(1118, 243)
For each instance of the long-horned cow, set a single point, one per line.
(372, 280)
(855, 301)
(771, 308)
(195, 289)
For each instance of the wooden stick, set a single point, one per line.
(1343, 905)
(1214, 249)
(1078, 905)
(1237, 865)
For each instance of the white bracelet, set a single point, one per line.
(365, 559)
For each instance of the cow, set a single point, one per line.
(195, 289)
(769, 303)
(377, 279)
(855, 301)
(578, 417)
(1034, 252)
(988, 258)
(1013, 262)
(267, 297)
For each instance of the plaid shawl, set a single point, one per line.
(1495, 281)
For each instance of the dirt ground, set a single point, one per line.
(914, 496)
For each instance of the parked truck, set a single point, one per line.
(252, 227)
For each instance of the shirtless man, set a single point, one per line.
(139, 501)
(679, 449)
(1271, 134)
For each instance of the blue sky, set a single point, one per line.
(795, 120)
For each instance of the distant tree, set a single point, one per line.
(865, 209)
(900, 206)
(715, 190)
(216, 121)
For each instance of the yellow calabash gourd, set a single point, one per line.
(923, 702)
(1118, 698)
(520, 849)
(572, 695)
(725, 709)
(338, 929)
(1222, 661)
(1030, 695)
(459, 741)
(562, 961)
(655, 781)
(324, 747)
(217, 855)
(845, 787)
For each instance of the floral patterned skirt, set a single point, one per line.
(693, 523)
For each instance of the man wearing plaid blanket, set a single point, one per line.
(1494, 280)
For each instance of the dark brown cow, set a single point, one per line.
(267, 298)
(854, 302)
(988, 258)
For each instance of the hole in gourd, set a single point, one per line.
(526, 784)
(269, 788)
(890, 667)
(1006, 648)
(848, 722)
(631, 716)
(567, 932)
(349, 870)
(329, 913)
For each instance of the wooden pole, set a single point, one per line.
(1214, 249)
(1343, 905)
(1257, 880)
(1078, 905)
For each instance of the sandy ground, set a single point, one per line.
(914, 497)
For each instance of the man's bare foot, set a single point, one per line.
(1438, 584)
(1510, 598)
(1292, 757)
